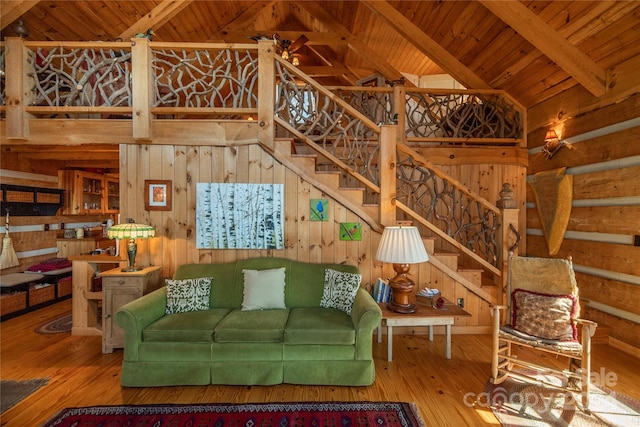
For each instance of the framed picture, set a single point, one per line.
(319, 210)
(157, 195)
(350, 231)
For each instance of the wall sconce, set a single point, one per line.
(552, 144)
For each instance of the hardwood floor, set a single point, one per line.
(80, 375)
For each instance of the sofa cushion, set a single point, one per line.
(252, 326)
(340, 289)
(314, 325)
(193, 326)
(263, 289)
(188, 295)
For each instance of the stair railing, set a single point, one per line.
(327, 124)
(142, 80)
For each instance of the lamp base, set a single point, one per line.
(402, 308)
(131, 269)
(401, 288)
(132, 249)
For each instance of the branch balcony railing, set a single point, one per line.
(223, 82)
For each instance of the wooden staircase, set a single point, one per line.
(305, 164)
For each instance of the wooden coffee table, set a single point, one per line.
(424, 316)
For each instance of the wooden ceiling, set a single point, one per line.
(534, 50)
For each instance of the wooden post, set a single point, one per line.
(399, 109)
(142, 88)
(506, 237)
(17, 126)
(388, 141)
(266, 94)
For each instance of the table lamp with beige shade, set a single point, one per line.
(401, 245)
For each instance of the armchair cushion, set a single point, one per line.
(546, 316)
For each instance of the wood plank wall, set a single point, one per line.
(605, 163)
(305, 240)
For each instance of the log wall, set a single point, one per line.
(604, 159)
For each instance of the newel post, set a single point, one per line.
(399, 108)
(142, 88)
(388, 141)
(507, 238)
(266, 94)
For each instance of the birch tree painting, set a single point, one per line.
(239, 216)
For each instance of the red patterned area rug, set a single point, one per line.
(314, 414)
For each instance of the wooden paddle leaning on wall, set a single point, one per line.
(554, 195)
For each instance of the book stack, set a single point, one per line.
(382, 291)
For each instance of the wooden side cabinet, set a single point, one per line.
(119, 288)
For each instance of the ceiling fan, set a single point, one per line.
(286, 48)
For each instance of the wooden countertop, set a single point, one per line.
(97, 258)
(84, 239)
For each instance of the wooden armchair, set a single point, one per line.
(543, 314)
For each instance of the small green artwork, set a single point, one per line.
(350, 231)
(319, 210)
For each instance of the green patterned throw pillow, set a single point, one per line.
(340, 290)
(188, 295)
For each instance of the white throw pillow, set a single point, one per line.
(188, 295)
(263, 289)
(340, 290)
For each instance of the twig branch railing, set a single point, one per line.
(222, 82)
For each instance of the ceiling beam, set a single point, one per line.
(548, 41)
(247, 17)
(575, 31)
(425, 44)
(160, 15)
(322, 71)
(12, 10)
(329, 57)
(383, 67)
(314, 37)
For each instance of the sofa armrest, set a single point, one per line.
(366, 316)
(136, 315)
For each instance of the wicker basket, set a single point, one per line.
(10, 303)
(64, 286)
(38, 295)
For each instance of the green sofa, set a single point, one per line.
(300, 344)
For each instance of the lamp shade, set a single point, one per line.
(551, 134)
(401, 245)
(131, 231)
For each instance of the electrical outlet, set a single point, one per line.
(461, 302)
(46, 227)
(636, 240)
